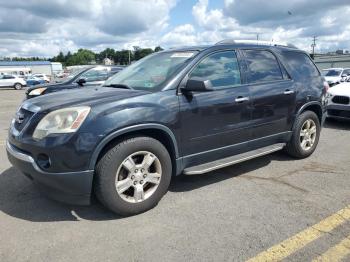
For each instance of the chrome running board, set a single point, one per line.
(228, 161)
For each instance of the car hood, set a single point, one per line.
(332, 78)
(52, 85)
(342, 89)
(79, 97)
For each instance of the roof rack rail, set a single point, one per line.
(254, 42)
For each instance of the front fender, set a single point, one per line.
(129, 129)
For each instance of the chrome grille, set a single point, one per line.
(344, 100)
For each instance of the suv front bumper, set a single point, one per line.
(72, 187)
(338, 111)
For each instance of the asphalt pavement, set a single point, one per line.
(270, 208)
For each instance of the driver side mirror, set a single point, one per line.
(81, 81)
(197, 85)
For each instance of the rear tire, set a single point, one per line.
(17, 86)
(133, 176)
(305, 135)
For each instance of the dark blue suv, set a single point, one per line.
(181, 111)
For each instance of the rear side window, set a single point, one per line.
(220, 68)
(301, 64)
(262, 66)
(8, 77)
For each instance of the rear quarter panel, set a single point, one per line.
(309, 88)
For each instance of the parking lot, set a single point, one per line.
(273, 207)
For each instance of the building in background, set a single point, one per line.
(107, 61)
(31, 67)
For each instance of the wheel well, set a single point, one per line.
(316, 109)
(155, 133)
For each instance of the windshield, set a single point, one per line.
(151, 72)
(331, 72)
(71, 77)
(76, 73)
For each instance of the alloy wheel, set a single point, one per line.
(138, 176)
(308, 134)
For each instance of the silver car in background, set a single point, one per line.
(339, 101)
(12, 81)
(335, 76)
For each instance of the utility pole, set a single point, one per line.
(257, 38)
(313, 45)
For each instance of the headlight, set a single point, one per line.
(37, 91)
(329, 95)
(67, 120)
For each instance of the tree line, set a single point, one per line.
(85, 56)
(33, 58)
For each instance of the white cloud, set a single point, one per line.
(59, 25)
(47, 27)
(183, 35)
(121, 17)
(207, 20)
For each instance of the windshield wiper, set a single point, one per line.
(118, 86)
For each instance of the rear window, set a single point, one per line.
(301, 64)
(262, 66)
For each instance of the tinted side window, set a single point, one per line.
(8, 77)
(301, 63)
(262, 66)
(220, 68)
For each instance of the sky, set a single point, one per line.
(45, 27)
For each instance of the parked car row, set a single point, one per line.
(339, 101)
(335, 76)
(39, 84)
(42, 77)
(95, 75)
(18, 82)
(338, 94)
(12, 81)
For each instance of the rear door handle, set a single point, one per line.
(288, 92)
(241, 99)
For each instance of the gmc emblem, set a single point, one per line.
(19, 118)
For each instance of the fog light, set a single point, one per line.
(43, 161)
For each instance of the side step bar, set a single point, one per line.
(228, 161)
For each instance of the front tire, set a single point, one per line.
(133, 176)
(18, 86)
(305, 135)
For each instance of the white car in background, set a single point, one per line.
(12, 81)
(339, 101)
(335, 76)
(43, 77)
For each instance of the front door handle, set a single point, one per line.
(241, 99)
(288, 92)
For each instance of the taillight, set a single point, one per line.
(325, 86)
